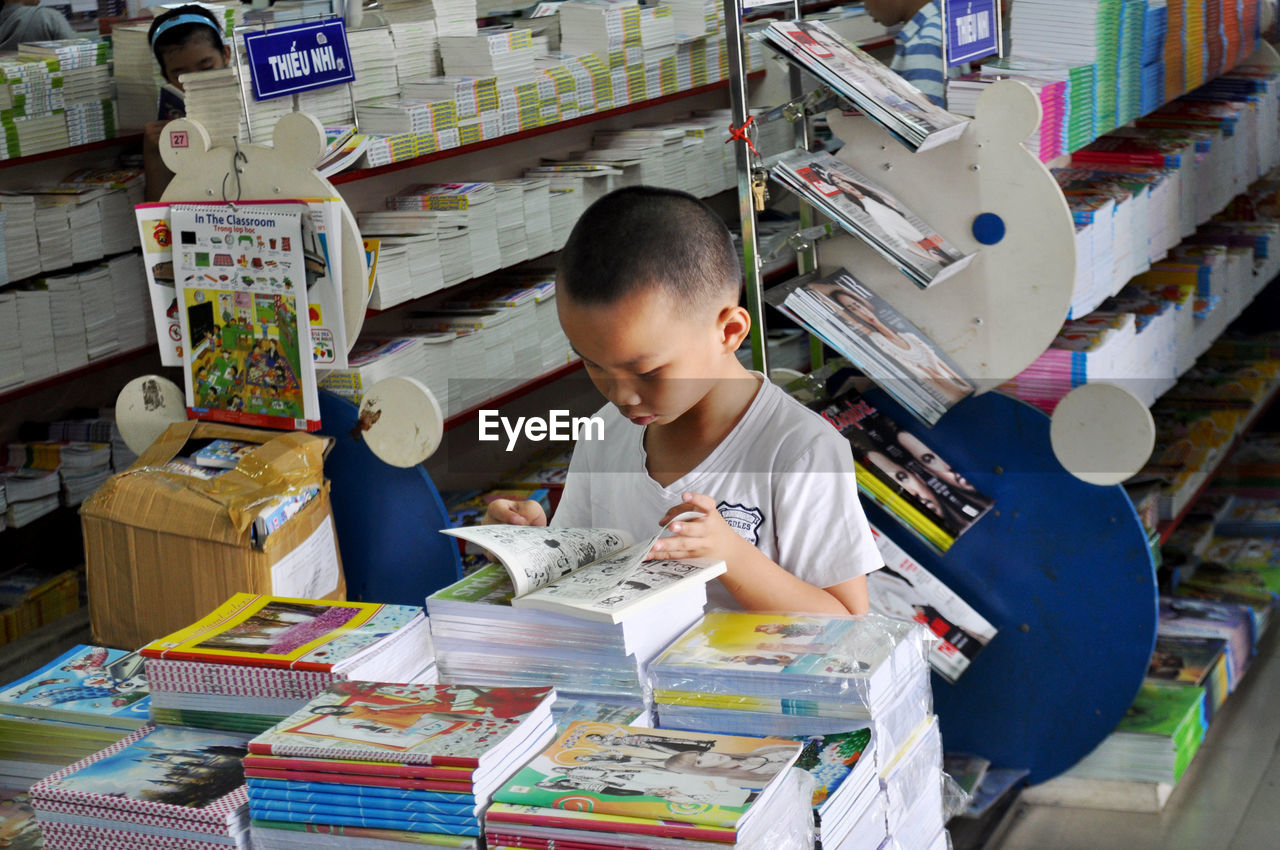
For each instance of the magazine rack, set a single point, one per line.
(231, 172)
(1062, 568)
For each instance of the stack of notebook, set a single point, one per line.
(641, 788)
(86, 699)
(849, 806)
(396, 759)
(747, 673)
(159, 787)
(256, 659)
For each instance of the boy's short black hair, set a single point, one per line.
(183, 33)
(643, 236)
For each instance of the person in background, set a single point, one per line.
(917, 54)
(185, 39)
(24, 20)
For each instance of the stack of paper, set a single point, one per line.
(256, 659)
(111, 797)
(454, 17)
(213, 99)
(137, 76)
(389, 759)
(484, 349)
(21, 248)
(391, 115)
(470, 95)
(417, 49)
(129, 298)
(594, 26)
(35, 324)
(97, 305)
(411, 259)
(373, 57)
(1155, 741)
(696, 17)
(1049, 140)
(85, 467)
(912, 784)
(86, 699)
(535, 222)
(11, 372)
(506, 54)
(796, 675)
(465, 205)
(566, 208)
(120, 191)
(636, 783)
(30, 493)
(67, 317)
(512, 241)
(373, 359)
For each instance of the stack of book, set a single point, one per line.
(423, 760)
(29, 493)
(130, 301)
(598, 27)
(469, 206)
(21, 250)
(500, 52)
(796, 675)
(66, 312)
(1185, 616)
(912, 785)
(86, 699)
(535, 222)
(373, 358)
(373, 58)
(256, 659)
(123, 190)
(410, 261)
(1155, 741)
(653, 788)
(417, 49)
(574, 607)
(849, 806)
(512, 240)
(35, 324)
(157, 787)
(1194, 661)
(1048, 142)
(11, 373)
(213, 99)
(137, 75)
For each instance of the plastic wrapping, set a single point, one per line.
(761, 673)
(955, 800)
(794, 831)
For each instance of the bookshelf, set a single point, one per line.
(76, 150)
(1070, 585)
(75, 374)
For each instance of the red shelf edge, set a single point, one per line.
(513, 393)
(118, 141)
(365, 173)
(78, 372)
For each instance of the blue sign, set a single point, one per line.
(971, 30)
(298, 58)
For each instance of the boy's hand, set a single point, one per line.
(706, 536)
(511, 512)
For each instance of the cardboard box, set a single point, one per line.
(163, 550)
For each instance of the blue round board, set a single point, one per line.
(388, 519)
(1061, 568)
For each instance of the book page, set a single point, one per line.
(537, 556)
(624, 581)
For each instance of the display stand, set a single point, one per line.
(284, 170)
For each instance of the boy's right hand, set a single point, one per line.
(511, 512)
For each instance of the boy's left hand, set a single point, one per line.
(706, 535)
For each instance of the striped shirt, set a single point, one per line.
(918, 55)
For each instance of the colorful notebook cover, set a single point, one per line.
(164, 773)
(339, 798)
(1184, 659)
(357, 832)
(660, 774)
(829, 759)
(351, 768)
(411, 724)
(104, 685)
(275, 631)
(499, 815)
(356, 788)
(18, 827)
(223, 454)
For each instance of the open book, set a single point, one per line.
(594, 573)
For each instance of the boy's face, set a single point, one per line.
(654, 360)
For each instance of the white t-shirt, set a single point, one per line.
(783, 479)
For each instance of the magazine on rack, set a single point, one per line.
(871, 213)
(877, 339)
(869, 84)
(594, 573)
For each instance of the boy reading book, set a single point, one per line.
(647, 293)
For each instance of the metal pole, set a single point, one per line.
(807, 259)
(746, 205)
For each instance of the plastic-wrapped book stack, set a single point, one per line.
(210, 675)
(740, 673)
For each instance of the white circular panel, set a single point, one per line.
(401, 421)
(1101, 433)
(146, 407)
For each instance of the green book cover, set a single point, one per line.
(1163, 709)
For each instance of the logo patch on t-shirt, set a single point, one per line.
(745, 521)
